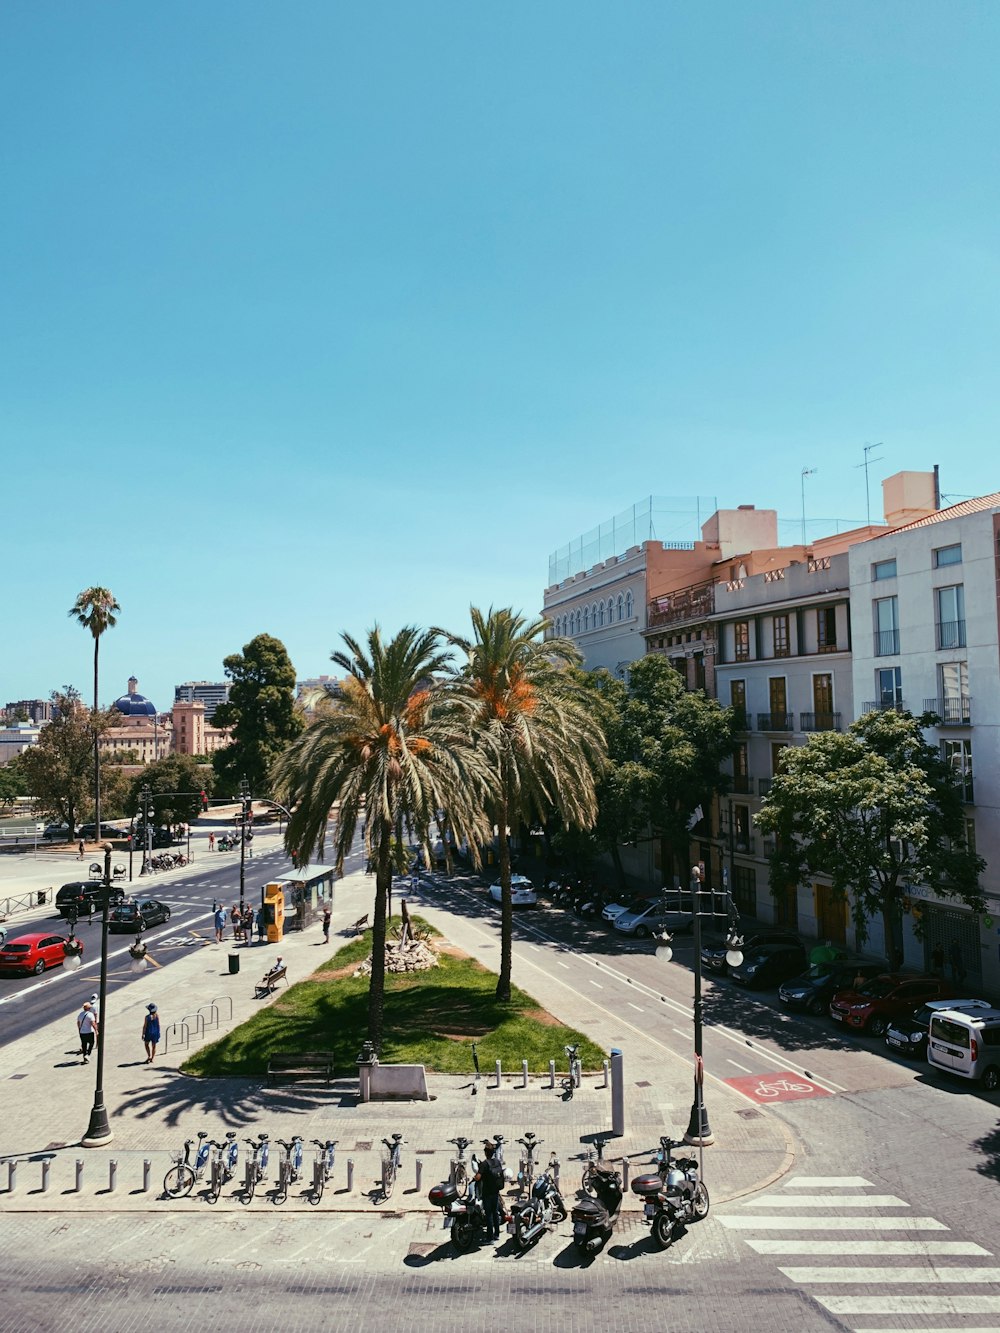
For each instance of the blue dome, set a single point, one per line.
(134, 704)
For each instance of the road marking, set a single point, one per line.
(924, 1249)
(824, 1201)
(738, 1066)
(907, 1305)
(597, 984)
(868, 1276)
(562, 964)
(637, 1007)
(835, 1182)
(680, 1033)
(834, 1223)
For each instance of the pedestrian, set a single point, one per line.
(211, 842)
(490, 1177)
(151, 1032)
(79, 849)
(957, 965)
(261, 927)
(326, 925)
(236, 921)
(95, 1005)
(220, 923)
(248, 924)
(86, 1023)
(937, 960)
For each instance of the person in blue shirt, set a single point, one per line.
(220, 924)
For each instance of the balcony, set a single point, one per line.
(693, 603)
(775, 721)
(953, 712)
(819, 721)
(741, 719)
(950, 633)
(887, 642)
(742, 784)
(745, 845)
(883, 706)
(764, 786)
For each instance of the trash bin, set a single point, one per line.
(234, 963)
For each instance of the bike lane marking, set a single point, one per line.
(766, 1089)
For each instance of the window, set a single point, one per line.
(621, 607)
(889, 687)
(602, 613)
(611, 610)
(884, 569)
(780, 625)
(950, 616)
(741, 633)
(745, 890)
(970, 835)
(593, 615)
(741, 769)
(741, 827)
(826, 629)
(586, 619)
(886, 611)
(953, 692)
(628, 606)
(948, 555)
(958, 757)
(738, 703)
(777, 694)
(777, 757)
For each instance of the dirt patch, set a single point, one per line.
(544, 1017)
(452, 950)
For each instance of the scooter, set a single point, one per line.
(673, 1194)
(464, 1215)
(543, 1208)
(595, 1213)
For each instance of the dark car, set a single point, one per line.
(872, 1007)
(88, 832)
(159, 837)
(134, 916)
(908, 1036)
(35, 952)
(769, 964)
(814, 989)
(713, 953)
(56, 832)
(83, 897)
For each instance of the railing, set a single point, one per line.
(745, 846)
(775, 721)
(768, 846)
(764, 786)
(23, 902)
(742, 784)
(886, 642)
(950, 633)
(883, 706)
(773, 575)
(741, 719)
(818, 564)
(819, 721)
(694, 602)
(953, 712)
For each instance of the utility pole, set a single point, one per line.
(246, 816)
(869, 449)
(806, 472)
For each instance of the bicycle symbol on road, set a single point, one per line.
(775, 1087)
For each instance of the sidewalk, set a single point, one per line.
(48, 1093)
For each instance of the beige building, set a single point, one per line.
(150, 735)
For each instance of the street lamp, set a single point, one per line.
(699, 1131)
(99, 1130)
(246, 806)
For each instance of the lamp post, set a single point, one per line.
(246, 805)
(99, 1130)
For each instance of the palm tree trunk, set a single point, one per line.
(376, 988)
(97, 751)
(506, 908)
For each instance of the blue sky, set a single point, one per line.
(318, 314)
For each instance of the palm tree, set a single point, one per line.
(532, 716)
(392, 751)
(96, 610)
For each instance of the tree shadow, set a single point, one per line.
(237, 1102)
(726, 1005)
(989, 1146)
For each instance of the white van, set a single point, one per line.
(967, 1044)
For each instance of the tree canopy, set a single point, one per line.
(58, 767)
(260, 711)
(176, 782)
(874, 809)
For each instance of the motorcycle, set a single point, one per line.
(542, 1209)
(595, 1213)
(464, 1215)
(673, 1194)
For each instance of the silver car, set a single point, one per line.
(649, 915)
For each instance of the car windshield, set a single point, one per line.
(877, 990)
(922, 1014)
(638, 907)
(126, 910)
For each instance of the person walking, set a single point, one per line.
(490, 1177)
(95, 1004)
(220, 923)
(79, 850)
(248, 925)
(326, 924)
(86, 1024)
(151, 1032)
(261, 927)
(236, 921)
(211, 842)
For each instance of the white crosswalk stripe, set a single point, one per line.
(853, 1234)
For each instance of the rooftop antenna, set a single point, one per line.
(806, 472)
(869, 449)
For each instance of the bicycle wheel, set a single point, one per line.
(388, 1178)
(281, 1188)
(319, 1184)
(178, 1181)
(249, 1185)
(215, 1183)
(461, 1175)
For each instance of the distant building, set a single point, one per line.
(34, 710)
(150, 735)
(208, 692)
(308, 692)
(17, 738)
(191, 732)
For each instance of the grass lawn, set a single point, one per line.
(431, 1018)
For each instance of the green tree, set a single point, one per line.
(176, 782)
(261, 713)
(391, 751)
(874, 808)
(96, 610)
(13, 781)
(57, 767)
(531, 717)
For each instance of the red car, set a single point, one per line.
(874, 1005)
(36, 952)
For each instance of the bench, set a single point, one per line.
(266, 986)
(300, 1066)
(360, 925)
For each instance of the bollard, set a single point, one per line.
(499, 1074)
(350, 1174)
(617, 1092)
(46, 1164)
(11, 1176)
(552, 1073)
(112, 1176)
(524, 1073)
(625, 1165)
(420, 1173)
(605, 1065)
(147, 1167)
(79, 1174)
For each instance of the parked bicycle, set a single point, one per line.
(225, 1157)
(569, 1084)
(595, 1165)
(391, 1162)
(256, 1166)
(526, 1166)
(181, 1177)
(459, 1169)
(289, 1167)
(322, 1168)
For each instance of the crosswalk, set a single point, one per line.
(856, 1226)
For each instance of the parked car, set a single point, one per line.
(647, 916)
(967, 1044)
(713, 952)
(522, 892)
(813, 990)
(908, 1036)
(134, 916)
(872, 1007)
(35, 952)
(768, 965)
(84, 896)
(88, 832)
(161, 837)
(611, 911)
(57, 832)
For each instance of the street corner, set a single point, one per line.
(766, 1089)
